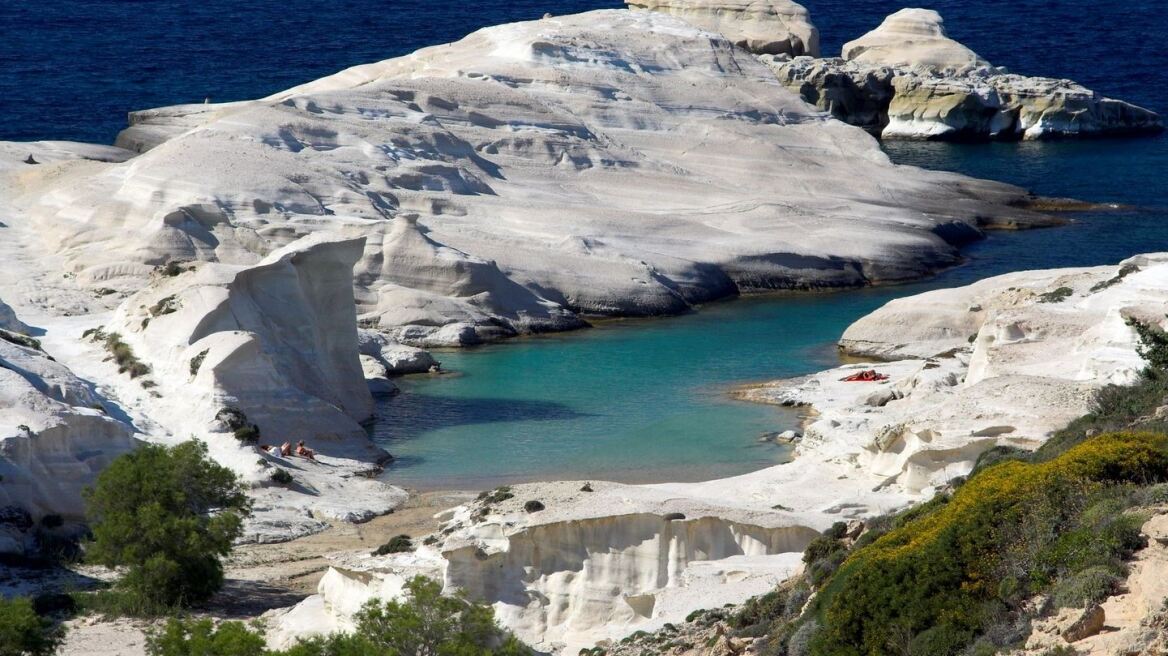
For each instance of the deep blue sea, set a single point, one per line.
(633, 400)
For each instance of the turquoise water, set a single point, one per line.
(647, 400)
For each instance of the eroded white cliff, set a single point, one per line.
(615, 162)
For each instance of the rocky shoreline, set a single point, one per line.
(252, 273)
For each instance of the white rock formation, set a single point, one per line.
(55, 434)
(593, 566)
(397, 359)
(770, 27)
(276, 341)
(912, 38)
(907, 80)
(9, 322)
(614, 162)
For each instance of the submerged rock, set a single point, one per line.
(908, 80)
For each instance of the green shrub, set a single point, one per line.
(20, 340)
(498, 495)
(167, 515)
(121, 352)
(799, 644)
(1153, 344)
(197, 361)
(425, 623)
(249, 434)
(24, 633)
(1124, 271)
(185, 637)
(760, 610)
(1089, 586)
(1056, 296)
(168, 305)
(837, 531)
(533, 506)
(172, 269)
(281, 476)
(935, 577)
(397, 544)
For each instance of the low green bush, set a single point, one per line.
(1056, 296)
(202, 638)
(397, 544)
(25, 633)
(281, 476)
(197, 362)
(1086, 587)
(933, 581)
(20, 339)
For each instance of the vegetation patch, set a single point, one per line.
(1124, 271)
(21, 340)
(236, 421)
(197, 362)
(167, 305)
(281, 476)
(425, 623)
(398, 544)
(1057, 296)
(174, 268)
(166, 515)
(120, 352)
(937, 581)
(23, 632)
(498, 495)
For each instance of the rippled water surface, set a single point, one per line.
(637, 400)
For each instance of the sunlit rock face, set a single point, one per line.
(907, 79)
(765, 27)
(615, 162)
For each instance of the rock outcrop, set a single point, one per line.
(270, 348)
(615, 162)
(592, 566)
(764, 27)
(912, 38)
(276, 340)
(56, 435)
(908, 80)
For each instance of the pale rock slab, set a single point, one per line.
(912, 38)
(614, 162)
(55, 436)
(771, 27)
(397, 359)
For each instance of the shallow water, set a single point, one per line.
(638, 401)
